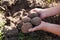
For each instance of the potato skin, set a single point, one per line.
(36, 21)
(25, 27)
(32, 15)
(26, 19)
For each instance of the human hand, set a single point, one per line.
(39, 27)
(39, 11)
(52, 28)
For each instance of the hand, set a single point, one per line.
(40, 11)
(52, 28)
(39, 27)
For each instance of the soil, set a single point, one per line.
(14, 10)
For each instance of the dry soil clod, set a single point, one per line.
(32, 15)
(25, 27)
(19, 25)
(26, 19)
(36, 21)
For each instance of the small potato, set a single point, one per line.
(32, 15)
(36, 21)
(26, 19)
(25, 27)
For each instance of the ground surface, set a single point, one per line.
(14, 10)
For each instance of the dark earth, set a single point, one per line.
(15, 10)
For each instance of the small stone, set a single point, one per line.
(11, 38)
(25, 27)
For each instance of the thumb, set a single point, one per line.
(33, 29)
(39, 27)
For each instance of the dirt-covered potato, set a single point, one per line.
(25, 27)
(26, 19)
(32, 15)
(36, 21)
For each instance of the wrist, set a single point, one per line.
(43, 14)
(44, 26)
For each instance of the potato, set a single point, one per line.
(25, 27)
(26, 19)
(32, 15)
(36, 21)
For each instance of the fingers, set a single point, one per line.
(33, 29)
(33, 11)
(36, 10)
(39, 27)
